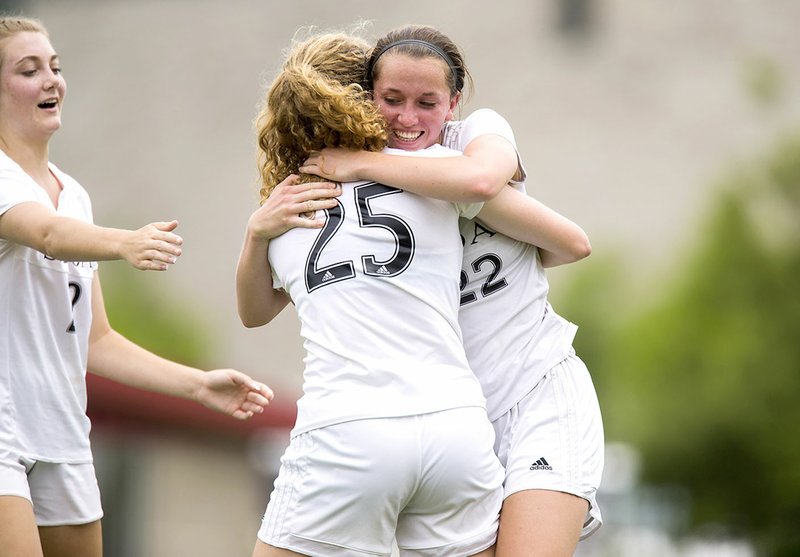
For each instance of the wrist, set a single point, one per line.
(368, 163)
(257, 239)
(120, 239)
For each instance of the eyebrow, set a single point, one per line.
(394, 90)
(34, 58)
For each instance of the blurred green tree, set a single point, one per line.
(706, 380)
(139, 312)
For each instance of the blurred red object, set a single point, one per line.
(113, 405)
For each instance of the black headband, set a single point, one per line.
(430, 46)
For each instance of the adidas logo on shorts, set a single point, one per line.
(541, 464)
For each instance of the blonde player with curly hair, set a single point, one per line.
(392, 438)
(305, 111)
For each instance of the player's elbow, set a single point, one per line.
(252, 317)
(575, 249)
(251, 321)
(581, 248)
(485, 187)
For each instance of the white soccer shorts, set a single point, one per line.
(431, 480)
(553, 438)
(61, 494)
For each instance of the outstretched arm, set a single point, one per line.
(488, 163)
(523, 218)
(152, 247)
(114, 357)
(257, 301)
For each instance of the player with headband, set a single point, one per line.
(540, 396)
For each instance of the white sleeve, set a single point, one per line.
(483, 121)
(469, 210)
(13, 191)
(277, 284)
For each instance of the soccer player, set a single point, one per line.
(53, 325)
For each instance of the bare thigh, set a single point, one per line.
(265, 550)
(19, 535)
(84, 540)
(540, 523)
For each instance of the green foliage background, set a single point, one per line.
(705, 380)
(147, 316)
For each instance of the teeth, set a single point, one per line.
(409, 136)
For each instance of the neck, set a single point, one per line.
(33, 157)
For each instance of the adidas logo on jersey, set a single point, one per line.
(327, 276)
(382, 271)
(541, 464)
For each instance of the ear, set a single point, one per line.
(453, 104)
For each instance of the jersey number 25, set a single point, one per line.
(317, 276)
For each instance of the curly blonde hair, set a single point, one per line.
(317, 101)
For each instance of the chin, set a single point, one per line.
(53, 126)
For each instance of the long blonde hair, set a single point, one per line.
(317, 101)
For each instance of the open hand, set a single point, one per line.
(291, 205)
(233, 393)
(153, 247)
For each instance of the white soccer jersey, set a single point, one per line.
(376, 291)
(511, 334)
(45, 315)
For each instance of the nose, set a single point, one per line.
(51, 80)
(407, 116)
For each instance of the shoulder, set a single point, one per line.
(485, 115)
(483, 121)
(15, 186)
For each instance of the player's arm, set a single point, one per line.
(151, 247)
(487, 164)
(257, 301)
(525, 219)
(114, 357)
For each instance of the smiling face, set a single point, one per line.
(414, 96)
(32, 88)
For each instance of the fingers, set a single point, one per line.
(169, 238)
(289, 181)
(157, 256)
(315, 190)
(292, 206)
(164, 234)
(311, 206)
(255, 401)
(321, 196)
(166, 226)
(155, 246)
(260, 390)
(151, 265)
(253, 408)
